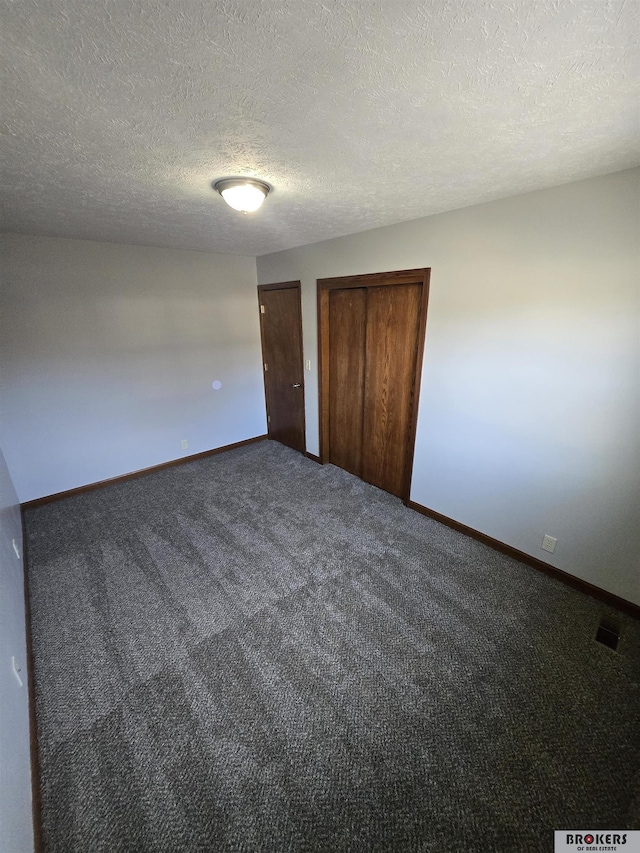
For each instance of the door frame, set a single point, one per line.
(284, 285)
(380, 279)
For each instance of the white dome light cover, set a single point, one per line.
(243, 194)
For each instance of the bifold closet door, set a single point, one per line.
(347, 337)
(393, 315)
(373, 339)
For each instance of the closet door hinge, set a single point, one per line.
(262, 309)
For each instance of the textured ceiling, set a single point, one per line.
(117, 115)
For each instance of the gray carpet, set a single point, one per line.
(256, 653)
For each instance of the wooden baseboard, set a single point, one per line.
(313, 457)
(36, 797)
(141, 473)
(570, 580)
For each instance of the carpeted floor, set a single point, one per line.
(256, 653)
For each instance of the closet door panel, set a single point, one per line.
(347, 335)
(390, 361)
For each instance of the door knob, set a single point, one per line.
(296, 385)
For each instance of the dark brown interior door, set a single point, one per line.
(347, 331)
(392, 336)
(281, 330)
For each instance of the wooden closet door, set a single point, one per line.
(347, 335)
(371, 339)
(393, 315)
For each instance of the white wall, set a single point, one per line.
(109, 353)
(529, 408)
(16, 822)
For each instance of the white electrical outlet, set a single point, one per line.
(16, 549)
(549, 544)
(307, 364)
(184, 443)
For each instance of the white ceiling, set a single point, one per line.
(118, 114)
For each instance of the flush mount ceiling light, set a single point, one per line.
(244, 194)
